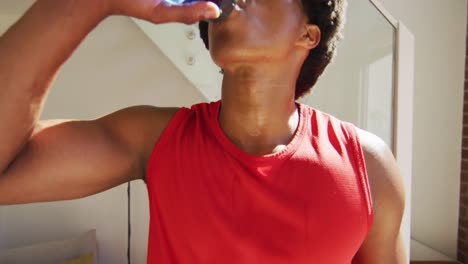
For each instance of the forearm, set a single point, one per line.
(31, 53)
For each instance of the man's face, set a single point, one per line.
(257, 30)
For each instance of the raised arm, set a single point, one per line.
(32, 153)
(31, 52)
(69, 159)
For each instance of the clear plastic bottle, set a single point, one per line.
(226, 6)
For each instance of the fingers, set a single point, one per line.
(187, 14)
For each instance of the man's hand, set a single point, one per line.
(160, 11)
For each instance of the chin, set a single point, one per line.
(229, 49)
(225, 57)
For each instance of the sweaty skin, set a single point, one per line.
(260, 47)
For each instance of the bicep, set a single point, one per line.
(66, 159)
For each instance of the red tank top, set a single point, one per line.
(210, 202)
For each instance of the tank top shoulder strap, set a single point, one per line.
(173, 132)
(166, 136)
(358, 156)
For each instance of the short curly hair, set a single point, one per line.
(329, 16)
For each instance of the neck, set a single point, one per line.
(258, 112)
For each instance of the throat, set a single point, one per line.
(258, 134)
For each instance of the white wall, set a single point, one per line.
(439, 27)
(2, 228)
(116, 66)
(5, 20)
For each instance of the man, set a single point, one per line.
(253, 178)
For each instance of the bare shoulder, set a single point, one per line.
(382, 170)
(139, 127)
(384, 243)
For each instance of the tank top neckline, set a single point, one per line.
(290, 148)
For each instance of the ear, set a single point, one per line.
(310, 37)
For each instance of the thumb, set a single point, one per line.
(188, 13)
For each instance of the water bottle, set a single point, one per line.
(226, 6)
